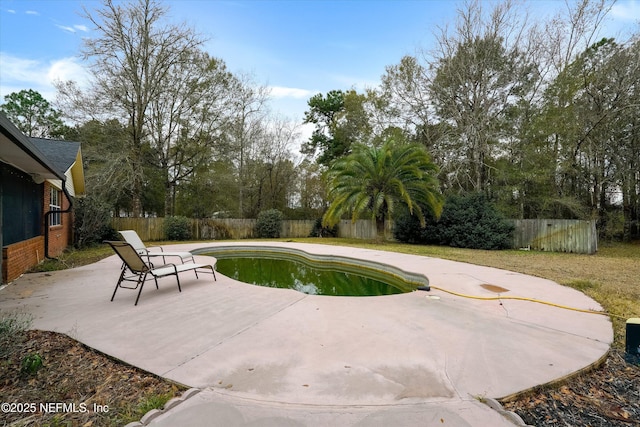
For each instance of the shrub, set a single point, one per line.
(467, 222)
(472, 222)
(177, 228)
(31, 364)
(92, 222)
(269, 223)
(611, 225)
(319, 231)
(407, 228)
(213, 230)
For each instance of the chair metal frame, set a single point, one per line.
(131, 237)
(135, 269)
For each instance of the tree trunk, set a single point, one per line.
(380, 230)
(136, 197)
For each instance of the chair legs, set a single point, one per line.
(213, 271)
(118, 284)
(142, 286)
(142, 277)
(178, 280)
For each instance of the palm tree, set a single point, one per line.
(377, 180)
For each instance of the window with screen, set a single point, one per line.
(55, 205)
(21, 205)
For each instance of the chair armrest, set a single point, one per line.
(162, 269)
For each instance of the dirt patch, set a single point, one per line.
(73, 374)
(74, 386)
(608, 396)
(494, 288)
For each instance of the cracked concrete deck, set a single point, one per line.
(267, 356)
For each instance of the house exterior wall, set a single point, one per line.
(60, 236)
(21, 205)
(21, 256)
(68, 183)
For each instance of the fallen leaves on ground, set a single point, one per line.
(608, 396)
(76, 386)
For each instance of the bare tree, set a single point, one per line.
(404, 95)
(274, 155)
(132, 60)
(186, 119)
(246, 127)
(572, 30)
(480, 75)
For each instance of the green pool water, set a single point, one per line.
(305, 277)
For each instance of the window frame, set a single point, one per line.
(55, 204)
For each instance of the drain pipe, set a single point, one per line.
(49, 213)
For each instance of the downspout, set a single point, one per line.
(49, 213)
(1, 244)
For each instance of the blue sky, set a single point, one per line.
(297, 47)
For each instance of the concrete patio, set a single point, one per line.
(265, 356)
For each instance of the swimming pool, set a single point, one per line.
(312, 274)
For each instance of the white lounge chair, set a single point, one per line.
(131, 237)
(136, 270)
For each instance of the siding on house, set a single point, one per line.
(68, 184)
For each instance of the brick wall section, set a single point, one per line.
(19, 257)
(60, 236)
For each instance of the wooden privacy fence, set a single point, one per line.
(149, 229)
(556, 235)
(363, 229)
(152, 229)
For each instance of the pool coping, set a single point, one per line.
(343, 263)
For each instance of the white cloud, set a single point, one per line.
(16, 69)
(32, 12)
(626, 10)
(67, 69)
(24, 73)
(289, 92)
(11, 11)
(65, 28)
(73, 29)
(349, 82)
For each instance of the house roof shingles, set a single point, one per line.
(66, 156)
(18, 151)
(62, 154)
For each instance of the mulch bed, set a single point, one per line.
(73, 378)
(71, 373)
(607, 396)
